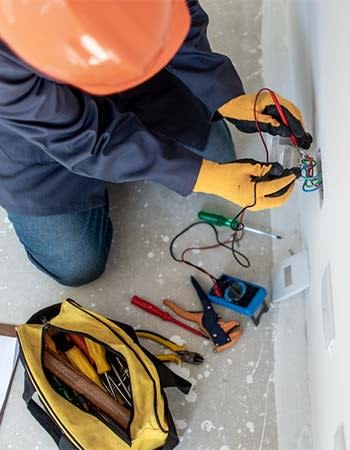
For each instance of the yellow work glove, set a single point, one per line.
(240, 111)
(247, 182)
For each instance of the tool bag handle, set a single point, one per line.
(43, 418)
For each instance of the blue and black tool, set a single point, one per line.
(241, 296)
(223, 334)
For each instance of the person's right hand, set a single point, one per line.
(247, 182)
(240, 111)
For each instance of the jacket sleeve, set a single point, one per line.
(87, 134)
(211, 77)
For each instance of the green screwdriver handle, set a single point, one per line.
(219, 221)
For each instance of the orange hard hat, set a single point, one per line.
(100, 46)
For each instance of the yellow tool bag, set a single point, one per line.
(98, 388)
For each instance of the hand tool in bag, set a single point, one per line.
(79, 342)
(104, 368)
(122, 375)
(223, 334)
(123, 368)
(50, 343)
(74, 355)
(58, 366)
(152, 309)
(71, 395)
(181, 354)
(62, 389)
(96, 353)
(120, 368)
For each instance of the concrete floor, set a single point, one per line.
(232, 405)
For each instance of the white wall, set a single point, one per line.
(313, 38)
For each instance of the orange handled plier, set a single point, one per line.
(223, 334)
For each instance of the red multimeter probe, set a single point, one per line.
(283, 117)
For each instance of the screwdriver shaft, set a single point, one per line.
(262, 233)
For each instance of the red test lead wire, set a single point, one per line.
(283, 117)
(280, 112)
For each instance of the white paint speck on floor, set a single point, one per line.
(231, 405)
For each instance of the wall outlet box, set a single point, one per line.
(284, 152)
(339, 438)
(328, 310)
(290, 277)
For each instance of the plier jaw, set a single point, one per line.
(181, 354)
(190, 357)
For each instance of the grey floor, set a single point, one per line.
(231, 405)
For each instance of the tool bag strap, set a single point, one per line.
(43, 418)
(172, 439)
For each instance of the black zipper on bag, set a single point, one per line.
(126, 437)
(76, 305)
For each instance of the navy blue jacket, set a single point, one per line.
(59, 146)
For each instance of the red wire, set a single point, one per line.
(211, 247)
(235, 237)
(282, 116)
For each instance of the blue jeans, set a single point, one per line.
(73, 248)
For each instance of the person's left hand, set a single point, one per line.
(240, 111)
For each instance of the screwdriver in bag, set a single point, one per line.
(98, 354)
(79, 342)
(69, 394)
(75, 356)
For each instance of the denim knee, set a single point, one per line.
(76, 270)
(83, 271)
(72, 249)
(89, 264)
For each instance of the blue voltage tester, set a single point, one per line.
(241, 296)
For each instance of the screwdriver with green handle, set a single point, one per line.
(222, 221)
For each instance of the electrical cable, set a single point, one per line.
(182, 259)
(240, 258)
(312, 180)
(242, 211)
(257, 122)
